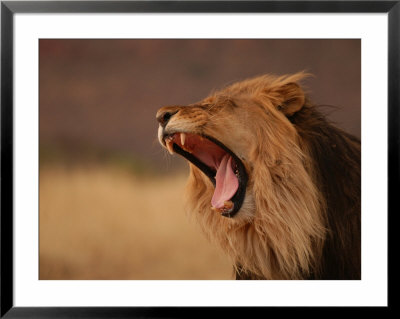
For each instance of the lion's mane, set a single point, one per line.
(301, 215)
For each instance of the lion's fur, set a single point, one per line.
(301, 214)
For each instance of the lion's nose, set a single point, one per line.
(164, 115)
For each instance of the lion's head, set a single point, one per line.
(252, 184)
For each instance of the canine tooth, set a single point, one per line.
(215, 209)
(170, 147)
(183, 138)
(228, 204)
(218, 210)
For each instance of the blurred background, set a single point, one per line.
(110, 197)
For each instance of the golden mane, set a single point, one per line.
(287, 227)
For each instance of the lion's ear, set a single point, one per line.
(293, 98)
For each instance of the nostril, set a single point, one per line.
(164, 118)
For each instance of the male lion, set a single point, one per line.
(272, 182)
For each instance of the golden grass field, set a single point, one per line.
(101, 222)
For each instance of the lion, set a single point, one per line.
(272, 182)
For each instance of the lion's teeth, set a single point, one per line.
(170, 148)
(183, 138)
(228, 204)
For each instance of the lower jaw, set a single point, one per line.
(208, 189)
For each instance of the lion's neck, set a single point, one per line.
(281, 239)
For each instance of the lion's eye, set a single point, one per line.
(206, 106)
(231, 103)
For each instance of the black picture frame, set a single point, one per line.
(9, 8)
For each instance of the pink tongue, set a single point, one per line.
(226, 183)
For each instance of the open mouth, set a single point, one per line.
(225, 170)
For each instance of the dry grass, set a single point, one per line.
(103, 223)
